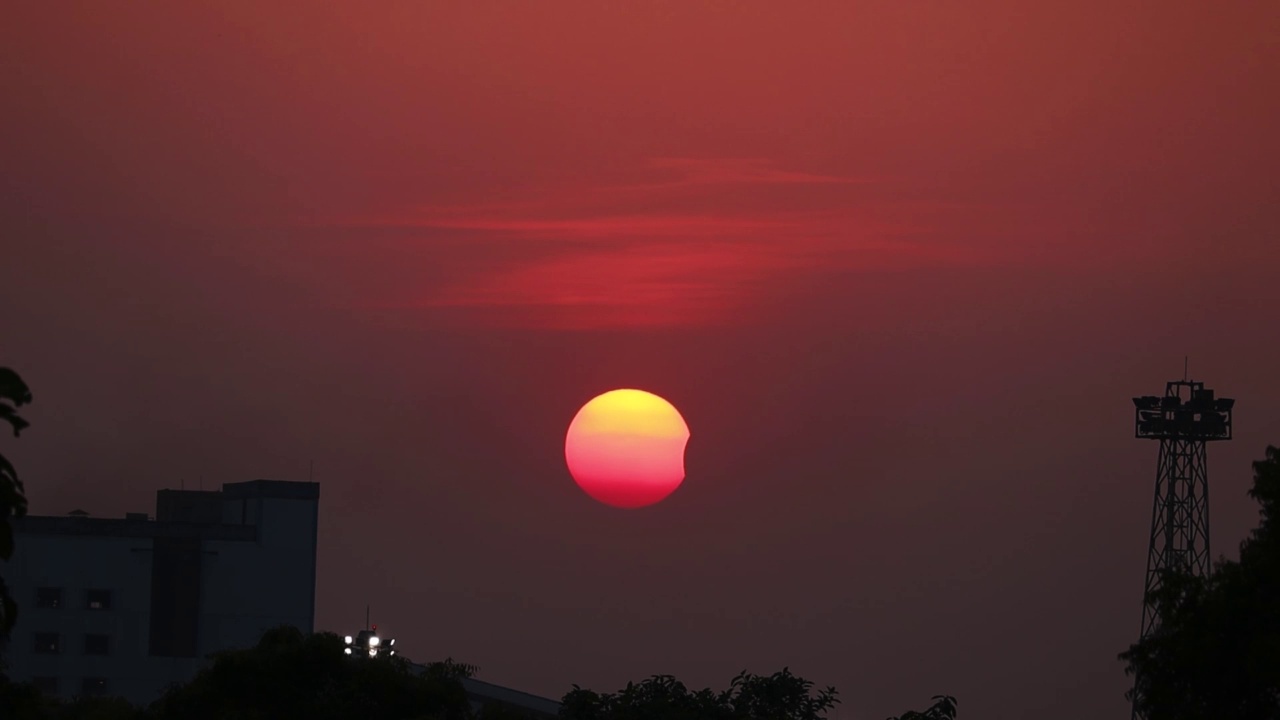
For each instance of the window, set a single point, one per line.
(97, 644)
(46, 685)
(93, 687)
(47, 643)
(49, 598)
(97, 599)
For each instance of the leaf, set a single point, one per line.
(13, 502)
(9, 415)
(9, 479)
(12, 388)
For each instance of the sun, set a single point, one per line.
(625, 448)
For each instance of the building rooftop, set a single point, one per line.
(489, 692)
(179, 514)
(128, 527)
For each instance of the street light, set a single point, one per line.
(368, 643)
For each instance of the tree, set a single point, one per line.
(943, 708)
(781, 696)
(291, 675)
(1213, 654)
(450, 669)
(13, 501)
(23, 701)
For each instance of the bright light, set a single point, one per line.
(392, 643)
(347, 651)
(393, 652)
(373, 641)
(373, 653)
(348, 639)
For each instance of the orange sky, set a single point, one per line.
(904, 262)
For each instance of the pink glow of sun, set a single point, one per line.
(625, 448)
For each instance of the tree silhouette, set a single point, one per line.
(1215, 652)
(781, 696)
(14, 393)
(943, 708)
(24, 701)
(291, 675)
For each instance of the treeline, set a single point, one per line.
(1216, 651)
(292, 675)
(287, 675)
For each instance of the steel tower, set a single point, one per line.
(1187, 417)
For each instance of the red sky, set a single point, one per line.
(901, 266)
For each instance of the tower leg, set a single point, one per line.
(1179, 525)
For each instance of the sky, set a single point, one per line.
(901, 266)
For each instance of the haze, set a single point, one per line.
(901, 265)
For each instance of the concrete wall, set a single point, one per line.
(252, 587)
(76, 564)
(252, 577)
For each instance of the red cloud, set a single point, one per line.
(640, 254)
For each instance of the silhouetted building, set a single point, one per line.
(514, 702)
(127, 606)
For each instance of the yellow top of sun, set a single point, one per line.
(630, 412)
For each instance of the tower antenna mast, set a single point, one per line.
(1184, 421)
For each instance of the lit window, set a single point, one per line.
(49, 598)
(97, 599)
(97, 644)
(47, 643)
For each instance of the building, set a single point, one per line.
(515, 702)
(128, 606)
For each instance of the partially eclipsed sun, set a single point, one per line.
(626, 448)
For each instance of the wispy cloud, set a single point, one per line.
(613, 226)
(687, 248)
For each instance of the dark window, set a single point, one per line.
(46, 685)
(97, 599)
(97, 644)
(49, 598)
(93, 687)
(47, 644)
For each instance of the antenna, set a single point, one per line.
(1185, 362)
(1180, 511)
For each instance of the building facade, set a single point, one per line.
(128, 606)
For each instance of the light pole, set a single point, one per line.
(367, 644)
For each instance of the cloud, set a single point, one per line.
(692, 247)
(614, 226)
